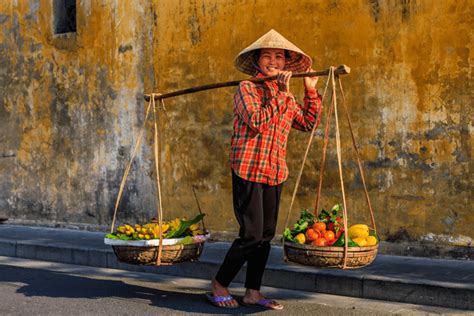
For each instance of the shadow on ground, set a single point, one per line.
(52, 284)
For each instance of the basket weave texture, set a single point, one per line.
(331, 257)
(149, 255)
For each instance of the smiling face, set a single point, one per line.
(271, 61)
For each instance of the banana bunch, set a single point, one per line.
(175, 228)
(195, 229)
(146, 231)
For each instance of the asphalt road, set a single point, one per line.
(29, 287)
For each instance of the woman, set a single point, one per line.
(263, 116)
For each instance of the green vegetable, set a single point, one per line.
(111, 236)
(184, 225)
(288, 235)
(186, 241)
(119, 236)
(340, 242)
(125, 237)
(306, 219)
(330, 216)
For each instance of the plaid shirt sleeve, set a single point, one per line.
(258, 116)
(308, 114)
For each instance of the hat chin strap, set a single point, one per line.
(258, 67)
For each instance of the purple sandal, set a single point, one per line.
(216, 299)
(270, 304)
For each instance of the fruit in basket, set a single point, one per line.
(320, 226)
(320, 242)
(312, 234)
(358, 230)
(300, 238)
(313, 227)
(175, 228)
(329, 235)
(175, 223)
(340, 242)
(371, 240)
(360, 241)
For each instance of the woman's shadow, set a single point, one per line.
(46, 283)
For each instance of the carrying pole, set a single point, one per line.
(341, 70)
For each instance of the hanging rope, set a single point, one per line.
(298, 179)
(339, 163)
(129, 166)
(359, 163)
(333, 108)
(157, 167)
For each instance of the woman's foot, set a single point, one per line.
(219, 291)
(254, 297)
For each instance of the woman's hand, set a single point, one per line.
(283, 80)
(310, 82)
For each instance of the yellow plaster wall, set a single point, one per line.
(71, 107)
(409, 94)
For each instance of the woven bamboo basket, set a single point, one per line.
(149, 255)
(329, 257)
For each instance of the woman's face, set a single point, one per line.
(271, 61)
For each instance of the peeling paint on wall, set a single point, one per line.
(71, 107)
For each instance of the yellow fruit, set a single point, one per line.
(175, 223)
(360, 241)
(198, 232)
(300, 238)
(358, 230)
(128, 233)
(194, 226)
(141, 236)
(147, 236)
(156, 230)
(371, 241)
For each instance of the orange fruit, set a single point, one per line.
(312, 234)
(321, 242)
(319, 226)
(329, 235)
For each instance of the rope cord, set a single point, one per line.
(157, 167)
(298, 179)
(186, 171)
(339, 163)
(158, 198)
(359, 162)
(333, 108)
(129, 166)
(323, 157)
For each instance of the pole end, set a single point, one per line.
(342, 70)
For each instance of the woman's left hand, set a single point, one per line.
(310, 82)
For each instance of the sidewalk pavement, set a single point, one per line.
(437, 282)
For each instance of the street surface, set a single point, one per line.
(29, 287)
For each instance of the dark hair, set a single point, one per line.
(256, 55)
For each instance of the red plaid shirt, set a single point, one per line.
(263, 117)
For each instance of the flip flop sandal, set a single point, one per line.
(270, 304)
(216, 299)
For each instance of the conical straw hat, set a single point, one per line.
(298, 61)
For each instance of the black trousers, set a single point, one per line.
(256, 208)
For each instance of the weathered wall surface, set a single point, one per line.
(71, 107)
(409, 93)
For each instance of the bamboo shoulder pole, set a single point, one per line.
(341, 70)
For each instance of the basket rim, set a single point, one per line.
(329, 248)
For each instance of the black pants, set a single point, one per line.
(256, 208)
